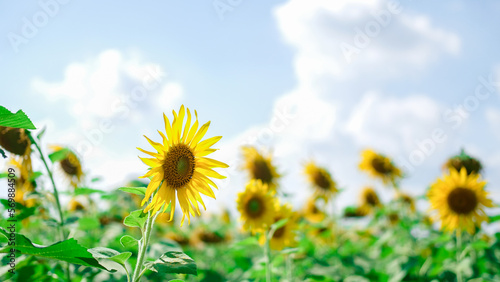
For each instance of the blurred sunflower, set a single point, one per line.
(256, 206)
(312, 212)
(321, 180)
(285, 235)
(260, 167)
(380, 166)
(70, 165)
(180, 166)
(226, 216)
(75, 205)
(202, 236)
(472, 165)
(460, 200)
(323, 235)
(407, 200)
(24, 184)
(178, 237)
(17, 142)
(369, 200)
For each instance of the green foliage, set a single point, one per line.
(173, 262)
(18, 120)
(141, 191)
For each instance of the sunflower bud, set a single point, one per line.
(472, 165)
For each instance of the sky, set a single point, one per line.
(302, 79)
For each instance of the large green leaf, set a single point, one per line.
(106, 253)
(141, 191)
(18, 120)
(136, 219)
(173, 262)
(67, 250)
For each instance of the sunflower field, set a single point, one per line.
(154, 228)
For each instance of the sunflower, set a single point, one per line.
(323, 235)
(70, 165)
(407, 200)
(75, 205)
(285, 235)
(256, 206)
(202, 236)
(460, 200)
(179, 166)
(24, 184)
(15, 140)
(380, 166)
(472, 165)
(260, 167)
(369, 200)
(312, 212)
(321, 180)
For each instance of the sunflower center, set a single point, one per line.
(371, 199)
(321, 180)
(380, 166)
(262, 171)
(179, 166)
(462, 200)
(14, 140)
(69, 167)
(280, 231)
(255, 207)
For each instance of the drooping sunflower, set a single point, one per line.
(260, 167)
(472, 165)
(460, 200)
(321, 181)
(17, 142)
(380, 166)
(180, 166)
(24, 183)
(284, 236)
(70, 165)
(369, 200)
(312, 212)
(256, 206)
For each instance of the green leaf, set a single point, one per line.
(136, 219)
(41, 133)
(87, 191)
(67, 250)
(88, 223)
(3, 175)
(494, 218)
(250, 241)
(2, 152)
(95, 179)
(106, 253)
(277, 225)
(18, 120)
(173, 262)
(35, 175)
(141, 191)
(128, 241)
(59, 155)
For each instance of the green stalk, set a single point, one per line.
(459, 257)
(267, 253)
(143, 246)
(56, 195)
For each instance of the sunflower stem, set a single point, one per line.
(459, 257)
(56, 195)
(267, 253)
(143, 246)
(289, 270)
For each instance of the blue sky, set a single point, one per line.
(254, 63)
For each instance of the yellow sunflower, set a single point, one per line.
(460, 200)
(380, 166)
(260, 167)
(15, 140)
(369, 200)
(407, 200)
(285, 235)
(24, 184)
(180, 166)
(75, 205)
(321, 180)
(256, 206)
(312, 212)
(70, 165)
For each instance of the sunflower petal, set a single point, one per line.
(200, 134)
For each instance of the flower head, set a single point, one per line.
(180, 168)
(380, 166)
